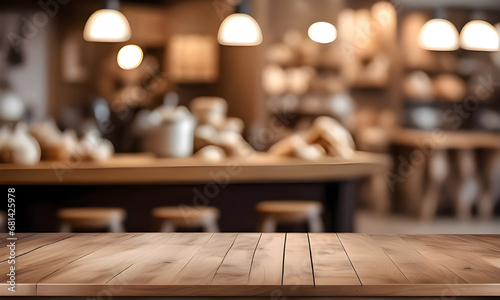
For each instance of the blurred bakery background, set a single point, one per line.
(411, 87)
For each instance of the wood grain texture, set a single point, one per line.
(331, 264)
(143, 168)
(160, 266)
(202, 268)
(256, 264)
(105, 263)
(267, 266)
(372, 264)
(27, 242)
(34, 266)
(237, 263)
(416, 268)
(467, 266)
(297, 268)
(487, 240)
(477, 254)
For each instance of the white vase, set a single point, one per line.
(11, 106)
(172, 138)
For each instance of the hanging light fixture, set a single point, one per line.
(322, 32)
(107, 25)
(479, 35)
(438, 35)
(129, 57)
(240, 29)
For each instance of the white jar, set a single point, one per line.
(11, 106)
(173, 137)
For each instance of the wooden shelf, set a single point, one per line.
(442, 139)
(254, 264)
(146, 169)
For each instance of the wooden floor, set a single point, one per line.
(253, 264)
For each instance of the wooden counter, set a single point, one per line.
(442, 139)
(254, 264)
(146, 169)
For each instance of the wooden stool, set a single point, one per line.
(172, 217)
(272, 213)
(93, 218)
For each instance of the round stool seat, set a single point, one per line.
(187, 217)
(93, 217)
(289, 212)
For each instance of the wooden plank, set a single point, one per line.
(415, 267)
(140, 169)
(491, 241)
(466, 266)
(23, 235)
(161, 264)
(236, 266)
(152, 239)
(105, 263)
(57, 255)
(297, 269)
(27, 242)
(330, 262)
(485, 258)
(371, 263)
(267, 266)
(491, 257)
(40, 262)
(202, 268)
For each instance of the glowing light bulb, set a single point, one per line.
(439, 35)
(129, 57)
(107, 25)
(322, 32)
(480, 36)
(239, 30)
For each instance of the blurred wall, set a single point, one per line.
(28, 78)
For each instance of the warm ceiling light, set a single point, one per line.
(107, 25)
(129, 57)
(239, 30)
(479, 35)
(438, 35)
(322, 32)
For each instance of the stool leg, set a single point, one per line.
(437, 171)
(267, 224)
(3, 223)
(315, 224)
(64, 227)
(380, 194)
(468, 187)
(410, 189)
(116, 225)
(486, 203)
(210, 225)
(167, 226)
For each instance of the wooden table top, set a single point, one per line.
(146, 169)
(254, 264)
